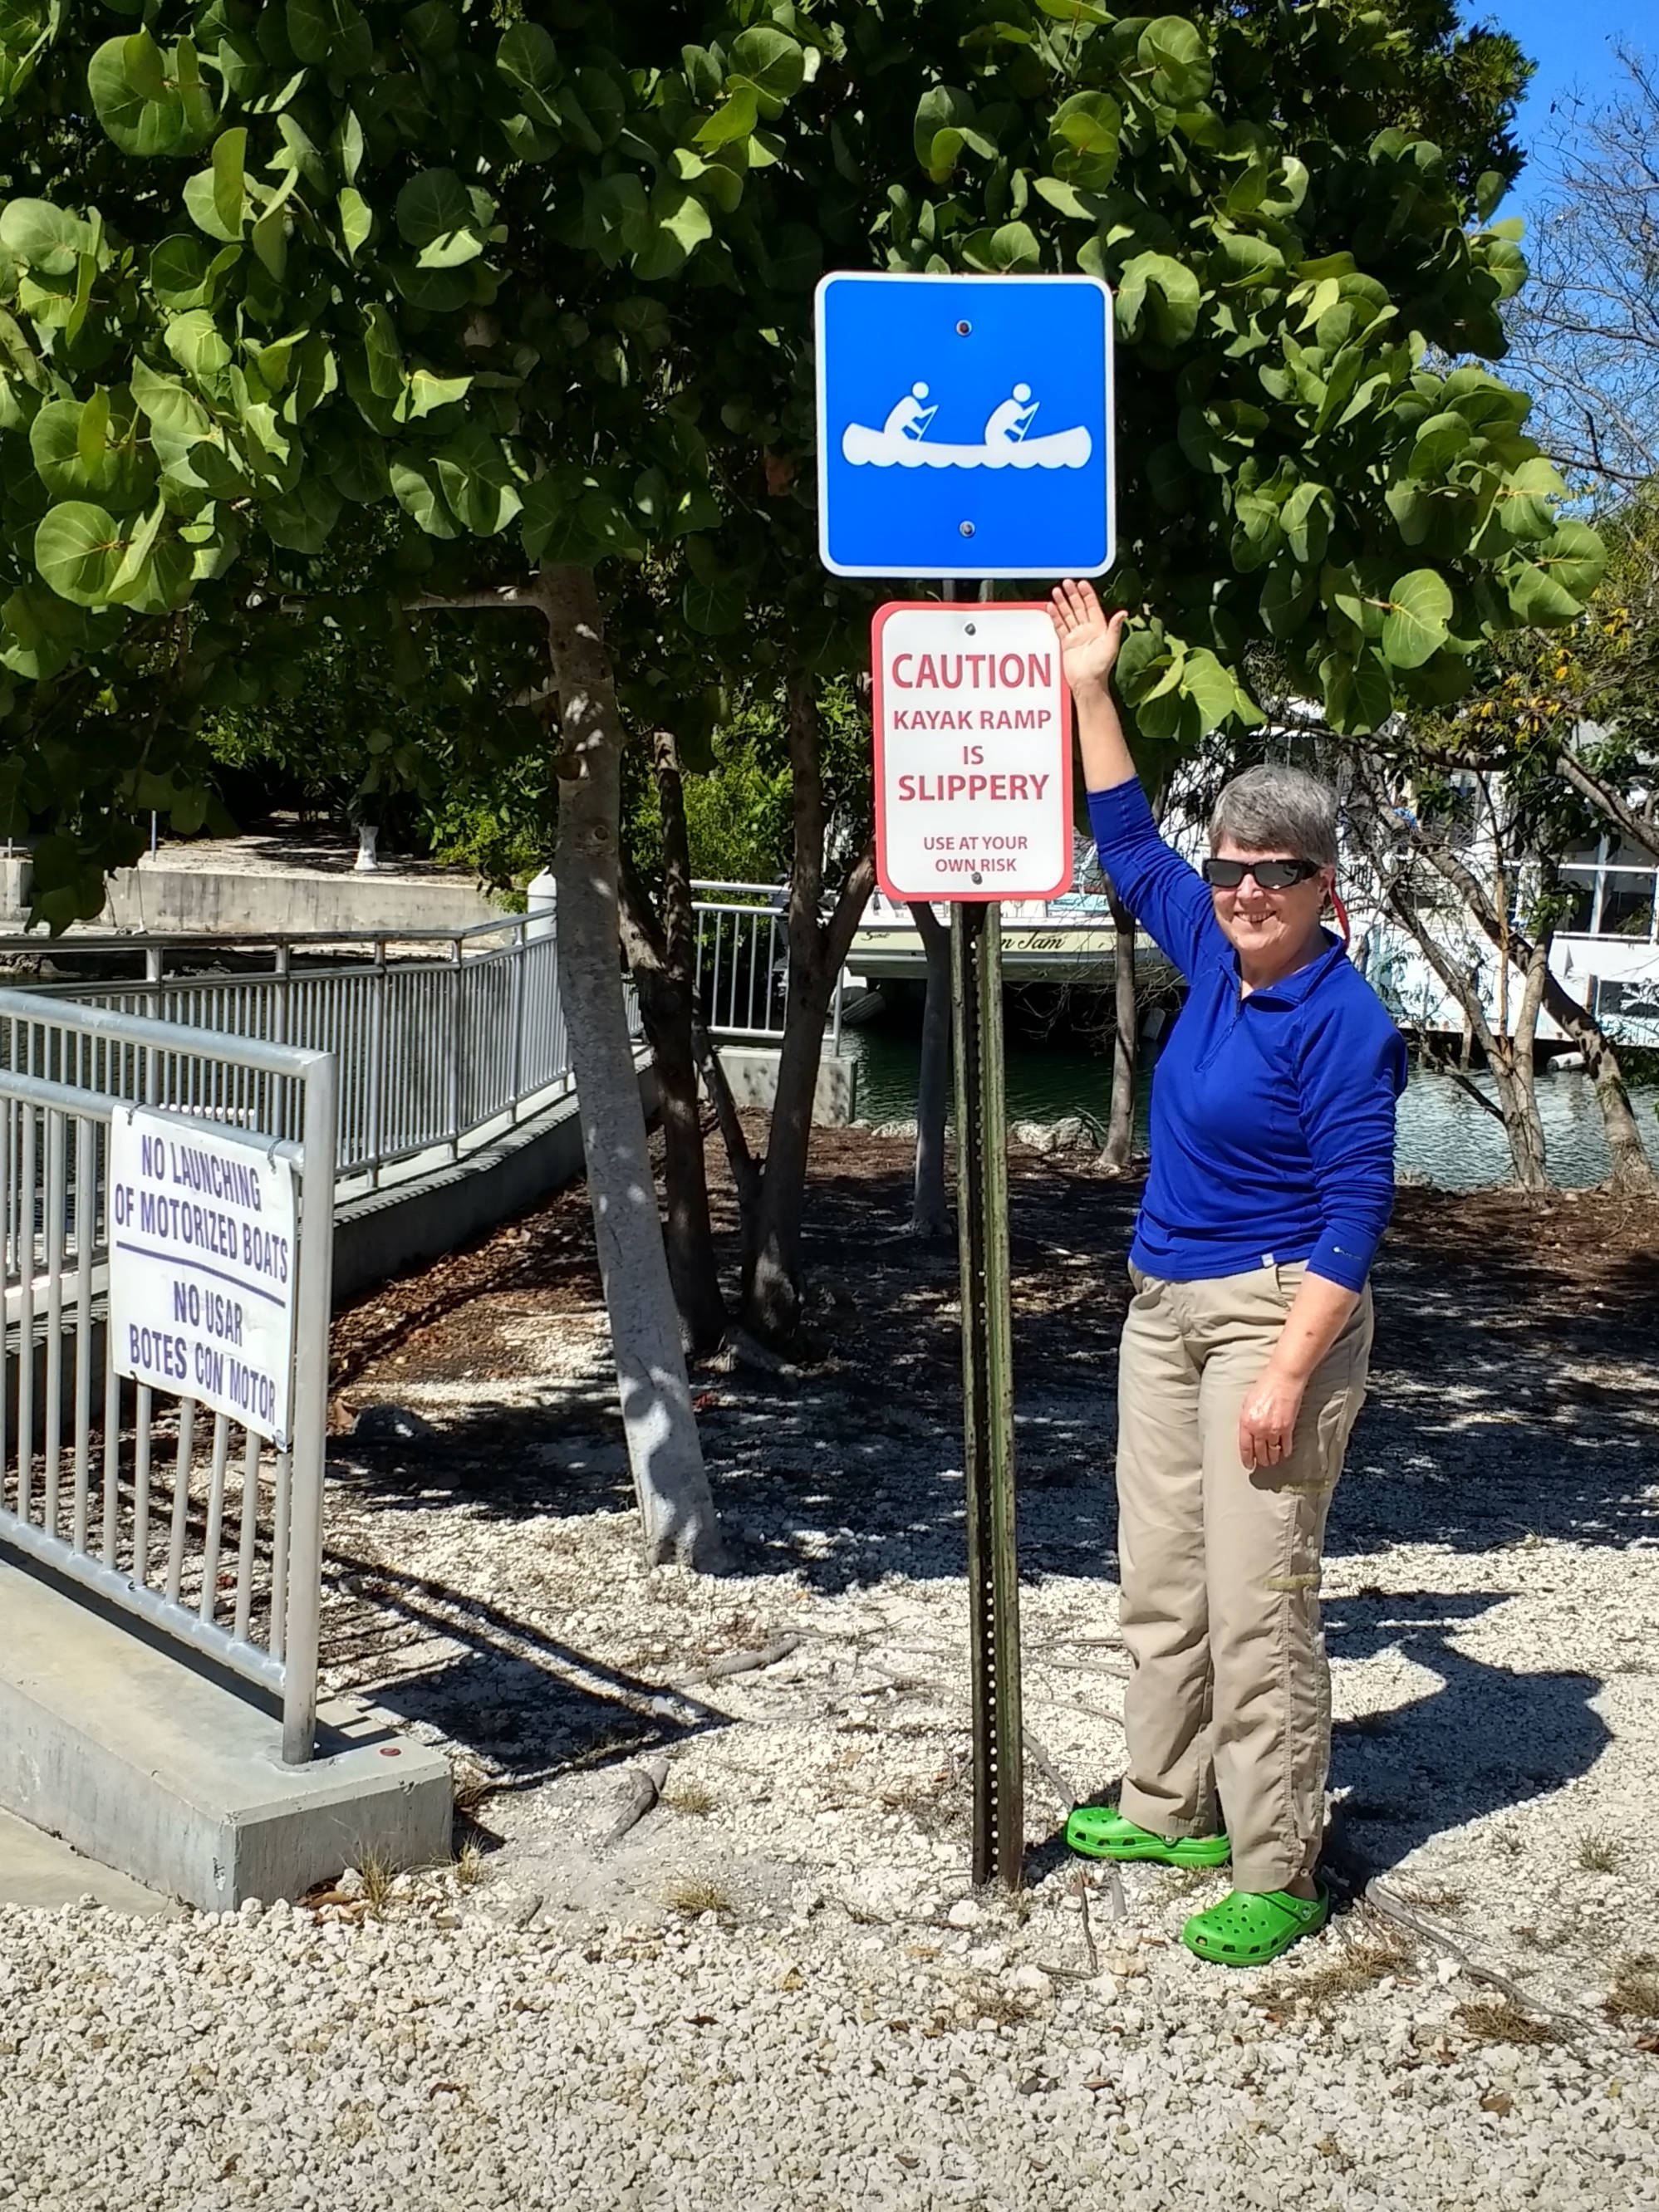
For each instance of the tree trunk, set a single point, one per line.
(1632, 1171)
(687, 1229)
(817, 950)
(1119, 1148)
(1527, 1134)
(1517, 1101)
(662, 958)
(929, 1209)
(664, 1450)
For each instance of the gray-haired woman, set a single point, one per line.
(1244, 1355)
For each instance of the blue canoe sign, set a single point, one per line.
(964, 425)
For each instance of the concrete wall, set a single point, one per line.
(16, 875)
(148, 1761)
(752, 1072)
(263, 902)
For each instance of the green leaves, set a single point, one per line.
(1552, 588)
(182, 273)
(679, 223)
(417, 490)
(449, 224)
(714, 601)
(1358, 691)
(1420, 609)
(216, 197)
(81, 553)
(76, 457)
(1442, 439)
(1176, 692)
(1158, 298)
(945, 123)
(302, 519)
(330, 34)
(1172, 54)
(1526, 504)
(150, 102)
(570, 519)
(1014, 247)
(768, 63)
(43, 236)
(26, 26)
(1083, 140)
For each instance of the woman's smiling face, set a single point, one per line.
(1272, 932)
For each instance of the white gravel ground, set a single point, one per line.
(778, 1991)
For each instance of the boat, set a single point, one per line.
(886, 449)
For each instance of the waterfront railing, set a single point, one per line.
(178, 1516)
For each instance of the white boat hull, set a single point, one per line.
(880, 449)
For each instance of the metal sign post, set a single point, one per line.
(965, 430)
(988, 1389)
(987, 1394)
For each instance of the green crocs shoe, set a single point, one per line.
(1250, 1927)
(1101, 1831)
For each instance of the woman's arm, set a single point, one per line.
(1089, 644)
(1165, 895)
(1266, 1420)
(1351, 1070)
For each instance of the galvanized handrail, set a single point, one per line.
(436, 1056)
(444, 1039)
(66, 1070)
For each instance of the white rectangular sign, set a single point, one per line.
(202, 1263)
(973, 752)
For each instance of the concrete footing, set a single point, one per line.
(17, 887)
(142, 1760)
(752, 1072)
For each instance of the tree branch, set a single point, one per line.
(512, 599)
(1588, 785)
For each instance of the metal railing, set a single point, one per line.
(438, 1050)
(123, 1489)
(442, 1040)
(741, 972)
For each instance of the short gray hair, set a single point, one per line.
(1275, 809)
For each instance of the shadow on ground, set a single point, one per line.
(1486, 1740)
(1513, 1402)
(527, 1703)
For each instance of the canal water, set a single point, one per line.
(1443, 1136)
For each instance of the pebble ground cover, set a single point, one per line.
(778, 1989)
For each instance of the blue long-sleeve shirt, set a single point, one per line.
(1271, 1115)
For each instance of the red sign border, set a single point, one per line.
(877, 722)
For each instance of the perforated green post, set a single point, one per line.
(987, 1395)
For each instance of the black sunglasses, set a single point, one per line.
(1270, 875)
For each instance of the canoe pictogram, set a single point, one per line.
(902, 440)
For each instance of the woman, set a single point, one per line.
(1244, 1354)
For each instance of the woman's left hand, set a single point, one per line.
(1267, 1418)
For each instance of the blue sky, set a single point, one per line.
(1572, 43)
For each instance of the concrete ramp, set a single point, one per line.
(137, 1758)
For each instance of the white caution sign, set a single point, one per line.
(973, 752)
(202, 1263)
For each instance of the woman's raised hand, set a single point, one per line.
(1088, 639)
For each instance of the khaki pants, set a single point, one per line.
(1229, 1688)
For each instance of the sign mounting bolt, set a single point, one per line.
(963, 329)
(966, 529)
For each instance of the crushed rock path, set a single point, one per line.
(777, 1991)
